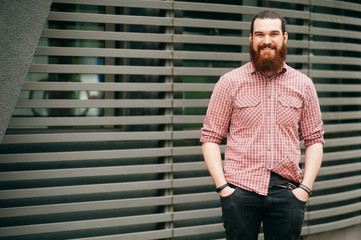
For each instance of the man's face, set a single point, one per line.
(267, 47)
(267, 37)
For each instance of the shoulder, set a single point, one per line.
(298, 76)
(238, 75)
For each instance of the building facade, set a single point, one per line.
(104, 139)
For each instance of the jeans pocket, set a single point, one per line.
(294, 197)
(229, 196)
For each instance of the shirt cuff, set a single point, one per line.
(313, 141)
(210, 139)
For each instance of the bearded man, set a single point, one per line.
(264, 108)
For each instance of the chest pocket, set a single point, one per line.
(289, 110)
(247, 111)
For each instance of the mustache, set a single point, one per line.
(270, 45)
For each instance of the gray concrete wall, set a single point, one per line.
(21, 23)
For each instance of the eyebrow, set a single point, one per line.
(273, 31)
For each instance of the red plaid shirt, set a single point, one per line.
(264, 120)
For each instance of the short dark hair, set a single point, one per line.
(272, 15)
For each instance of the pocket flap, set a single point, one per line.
(249, 101)
(289, 101)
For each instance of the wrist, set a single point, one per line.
(220, 188)
(306, 189)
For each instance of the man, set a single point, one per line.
(264, 108)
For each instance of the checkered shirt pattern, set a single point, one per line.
(264, 119)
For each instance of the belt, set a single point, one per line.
(285, 185)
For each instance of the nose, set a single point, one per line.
(267, 40)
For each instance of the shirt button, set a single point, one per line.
(268, 114)
(269, 149)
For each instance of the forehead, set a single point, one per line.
(267, 25)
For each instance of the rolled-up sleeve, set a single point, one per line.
(216, 122)
(311, 126)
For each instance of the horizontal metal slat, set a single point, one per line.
(84, 206)
(149, 235)
(334, 19)
(334, 74)
(336, 197)
(102, 35)
(338, 87)
(331, 212)
(122, 3)
(196, 230)
(237, 9)
(213, 56)
(189, 166)
(344, 141)
(105, 18)
(194, 214)
(184, 151)
(210, 23)
(336, 4)
(189, 134)
(114, 103)
(332, 226)
(335, 183)
(85, 137)
(340, 168)
(83, 189)
(322, 45)
(84, 155)
(190, 87)
(341, 115)
(84, 172)
(330, 32)
(110, 87)
(346, 127)
(191, 182)
(99, 69)
(336, 156)
(337, 101)
(335, 60)
(190, 102)
(188, 119)
(201, 39)
(82, 225)
(88, 121)
(195, 197)
(103, 52)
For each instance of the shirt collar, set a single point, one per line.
(283, 69)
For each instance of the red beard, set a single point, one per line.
(269, 64)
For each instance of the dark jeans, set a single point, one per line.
(281, 213)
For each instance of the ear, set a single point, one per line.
(285, 37)
(250, 37)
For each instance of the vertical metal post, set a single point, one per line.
(169, 111)
(109, 61)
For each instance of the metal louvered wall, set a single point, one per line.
(104, 141)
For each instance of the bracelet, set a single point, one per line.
(304, 187)
(222, 187)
